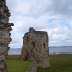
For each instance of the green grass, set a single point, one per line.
(59, 63)
(15, 57)
(17, 65)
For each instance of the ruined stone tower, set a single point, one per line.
(35, 47)
(5, 28)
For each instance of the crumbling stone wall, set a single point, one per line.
(35, 48)
(5, 28)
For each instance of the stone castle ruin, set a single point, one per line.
(35, 48)
(5, 28)
(35, 43)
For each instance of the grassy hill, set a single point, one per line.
(59, 63)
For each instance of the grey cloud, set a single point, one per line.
(41, 9)
(61, 7)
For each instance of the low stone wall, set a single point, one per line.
(32, 67)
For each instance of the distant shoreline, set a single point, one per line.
(52, 50)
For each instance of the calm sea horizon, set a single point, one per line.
(52, 50)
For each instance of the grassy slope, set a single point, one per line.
(59, 63)
(17, 65)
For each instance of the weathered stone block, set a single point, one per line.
(32, 67)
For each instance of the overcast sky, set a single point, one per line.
(53, 16)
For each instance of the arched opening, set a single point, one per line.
(44, 45)
(27, 55)
(27, 39)
(33, 44)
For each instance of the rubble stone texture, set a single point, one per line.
(5, 28)
(35, 48)
(32, 67)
